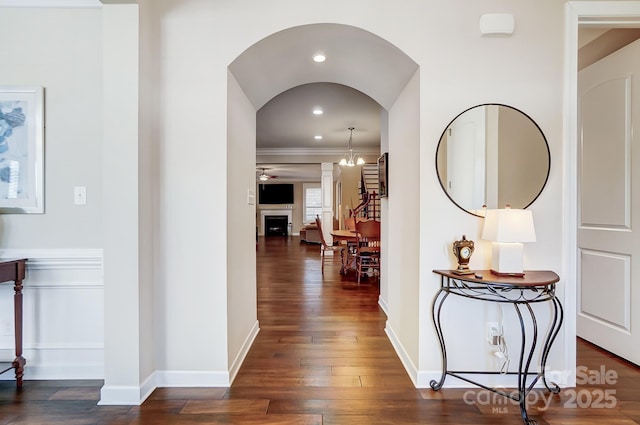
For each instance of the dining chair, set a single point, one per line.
(334, 249)
(368, 247)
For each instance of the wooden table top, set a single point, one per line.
(530, 278)
(343, 233)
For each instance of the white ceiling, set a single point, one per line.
(362, 75)
(355, 58)
(287, 121)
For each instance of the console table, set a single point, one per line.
(14, 271)
(521, 292)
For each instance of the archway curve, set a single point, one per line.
(355, 58)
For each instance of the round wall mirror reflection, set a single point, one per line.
(492, 155)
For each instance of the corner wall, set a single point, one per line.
(403, 244)
(242, 319)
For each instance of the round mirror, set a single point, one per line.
(492, 155)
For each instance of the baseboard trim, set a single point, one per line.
(412, 371)
(383, 305)
(244, 350)
(120, 395)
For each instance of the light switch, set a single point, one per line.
(251, 197)
(80, 195)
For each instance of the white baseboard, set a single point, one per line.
(383, 305)
(244, 350)
(412, 371)
(119, 395)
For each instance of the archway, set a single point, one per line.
(358, 59)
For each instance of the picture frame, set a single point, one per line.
(383, 175)
(21, 149)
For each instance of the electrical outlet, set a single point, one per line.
(80, 195)
(494, 334)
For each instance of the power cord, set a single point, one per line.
(503, 350)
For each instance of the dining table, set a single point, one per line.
(349, 238)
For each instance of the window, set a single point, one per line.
(312, 202)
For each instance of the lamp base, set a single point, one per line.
(506, 259)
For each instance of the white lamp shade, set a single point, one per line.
(509, 225)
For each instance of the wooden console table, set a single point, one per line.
(14, 271)
(521, 292)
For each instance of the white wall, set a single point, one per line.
(242, 318)
(195, 41)
(488, 71)
(403, 222)
(383, 300)
(191, 250)
(127, 304)
(73, 133)
(60, 50)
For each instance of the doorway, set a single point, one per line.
(394, 84)
(603, 256)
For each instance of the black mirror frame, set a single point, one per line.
(544, 138)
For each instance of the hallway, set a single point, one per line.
(322, 358)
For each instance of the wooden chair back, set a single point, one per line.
(368, 233)
(322, 240)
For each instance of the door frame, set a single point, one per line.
(598, 13)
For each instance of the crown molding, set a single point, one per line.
(314, 151)
(51, 3)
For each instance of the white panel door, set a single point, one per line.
(608, 203)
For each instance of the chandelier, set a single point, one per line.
(350, 159)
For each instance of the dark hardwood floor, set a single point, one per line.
(322, 357)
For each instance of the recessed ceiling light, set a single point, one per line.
(318, 137)
(317, 111)
(319, 57)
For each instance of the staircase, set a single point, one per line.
(369, 206)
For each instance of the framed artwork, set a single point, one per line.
(21, 149)
(383, 174)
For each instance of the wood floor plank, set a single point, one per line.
(76, 393)
(236, 406)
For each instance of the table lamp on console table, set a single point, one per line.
(508, 228)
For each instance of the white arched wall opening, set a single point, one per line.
(170, 319)
(394, 83)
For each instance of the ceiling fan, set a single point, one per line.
(264, 176)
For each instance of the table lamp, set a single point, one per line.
(508, 228)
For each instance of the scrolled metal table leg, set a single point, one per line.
(556, 324)
(435, 313)
(524, 371)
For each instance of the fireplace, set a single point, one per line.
(275, 212)
(276, 225)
